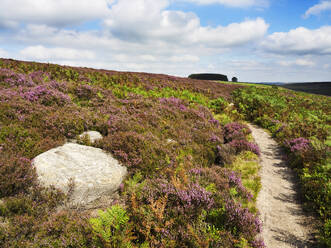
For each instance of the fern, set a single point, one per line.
(113, 227)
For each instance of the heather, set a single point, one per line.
(193, 166)
(301, 124)
(183, 144)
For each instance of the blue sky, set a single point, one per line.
(254, 40)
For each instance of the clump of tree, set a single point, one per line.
(209, 76)
(234, 79)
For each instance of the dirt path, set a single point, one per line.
(284, 224)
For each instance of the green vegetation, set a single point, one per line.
(301, 123)
(209, 76)
(247, 165)
(112, 227)
(180, 190)
(248, 84)
(192, 166)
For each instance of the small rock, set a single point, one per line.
(171, 141)
(93, 172)
(93, 135)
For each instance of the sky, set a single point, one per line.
(253, 40)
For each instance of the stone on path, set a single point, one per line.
(94, 172)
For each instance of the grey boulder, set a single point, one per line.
(92, 172)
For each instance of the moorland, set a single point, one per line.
(199, 190)
(320, 88)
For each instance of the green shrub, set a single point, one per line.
(16, 175)
(113, 227)
(326, 237)
(209, 76)
(218, 105)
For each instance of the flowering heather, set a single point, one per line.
(214, 138)
(15, 175)
(158, 126)
(195, 171)
(171, 100)
(7, 94)
(192, 199)
(182, 107)
(85, 91)
(235, 130)
(242, 219)
(195, 197)
(60, 86)
(45, 95)
(214, 122)
(38, 77)
(235, 180)
(15, 79)
(244, 145)
(258, 243)
(83, 78)
(174, 101)
(299, 145)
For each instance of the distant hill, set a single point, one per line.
(321, 88)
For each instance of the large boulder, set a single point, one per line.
(89, 173)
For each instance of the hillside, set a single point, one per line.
(192, 161)
(321, 88)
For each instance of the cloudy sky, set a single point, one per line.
(255, 40)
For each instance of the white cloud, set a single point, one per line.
(140, 35)
(52, 12)
(318, 8)
(33, 35)
(5, 24)
(55, 53)
(304, 62)
(232, 35)
(147, 20)
(184, 58)
(277, 68)
(233, 3)
(139, 23)
(300, 41)
(148, 57)
(3, 53)
(298, 62)
(163, 32)
(62, 13)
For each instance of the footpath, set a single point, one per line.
(284, 223)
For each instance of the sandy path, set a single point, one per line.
(284, 224)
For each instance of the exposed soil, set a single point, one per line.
(284, 222)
